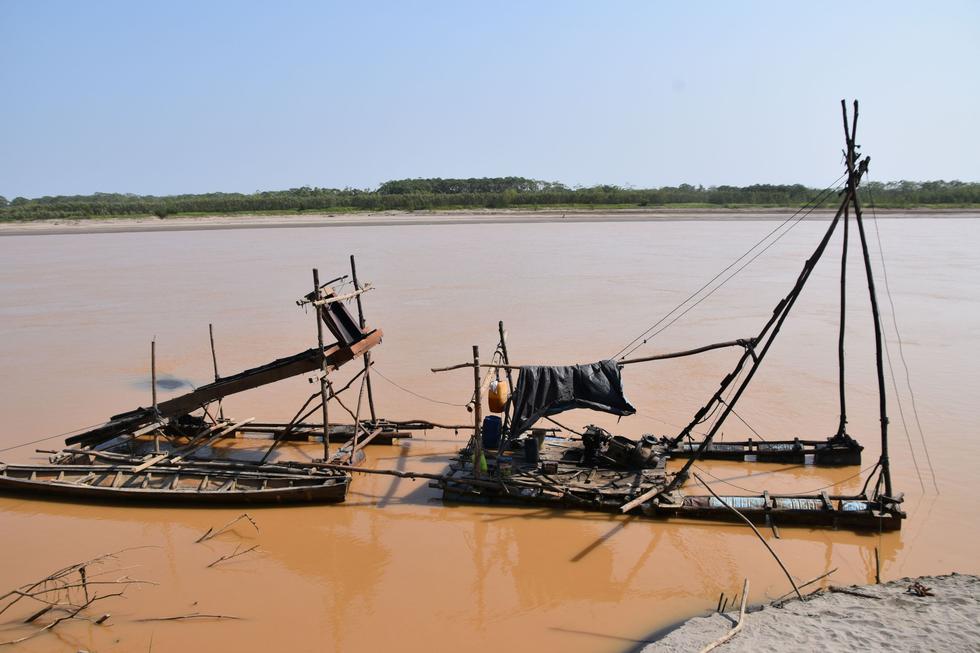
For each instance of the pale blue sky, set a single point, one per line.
(172, 97)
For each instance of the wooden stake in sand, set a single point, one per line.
(738, 626)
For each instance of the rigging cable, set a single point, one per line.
(415, 394)
(901, 348)
(757, 434)
(51, 437)
(788, 494)
(898, 399)
(643, 338)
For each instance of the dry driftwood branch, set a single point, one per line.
(236, 553)
(211, 533)
(845, 590)
(738, 626)
(192, 615)
(71, 615)
(63, 580)
(39, 613)
(809, 582)
(919, 589)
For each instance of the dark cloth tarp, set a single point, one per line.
(548, 390)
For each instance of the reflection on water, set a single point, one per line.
(394, 566)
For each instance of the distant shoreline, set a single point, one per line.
(448, 217)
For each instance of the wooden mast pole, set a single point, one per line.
(842, 425)
(875, 315)
(477, 413)
(323, 367)
(153, 388)
(153, 372)
(367, 355)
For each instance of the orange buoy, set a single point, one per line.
(498, 396)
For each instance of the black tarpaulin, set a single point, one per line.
(548, 390)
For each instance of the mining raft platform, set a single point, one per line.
(560, 476)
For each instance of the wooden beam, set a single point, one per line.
(748, 342)
(307, 361)
(339, 298)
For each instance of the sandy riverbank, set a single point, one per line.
(391, 218)
(836, 622)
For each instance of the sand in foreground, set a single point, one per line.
(835, 622)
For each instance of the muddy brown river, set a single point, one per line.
(395, 569)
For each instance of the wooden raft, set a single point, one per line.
(560, 479)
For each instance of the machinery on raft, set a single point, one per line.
(509, 460)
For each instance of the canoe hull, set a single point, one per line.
(226, 489)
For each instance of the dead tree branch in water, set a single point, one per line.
(211, 533)
(236, 553)
(193, 615)
(70, 590)
(72, 614)
(68, 578)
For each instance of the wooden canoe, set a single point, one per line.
(184, 485)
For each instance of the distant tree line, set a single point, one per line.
(497, 192)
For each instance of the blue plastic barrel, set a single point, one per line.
(491, 431)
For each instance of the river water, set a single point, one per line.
(395, 568)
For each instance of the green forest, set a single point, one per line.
(491, 193)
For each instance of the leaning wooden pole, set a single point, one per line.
(323, 366)
(367, 354)
(768, 336)
(214, 361)
(357, 418)
(505, 426)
